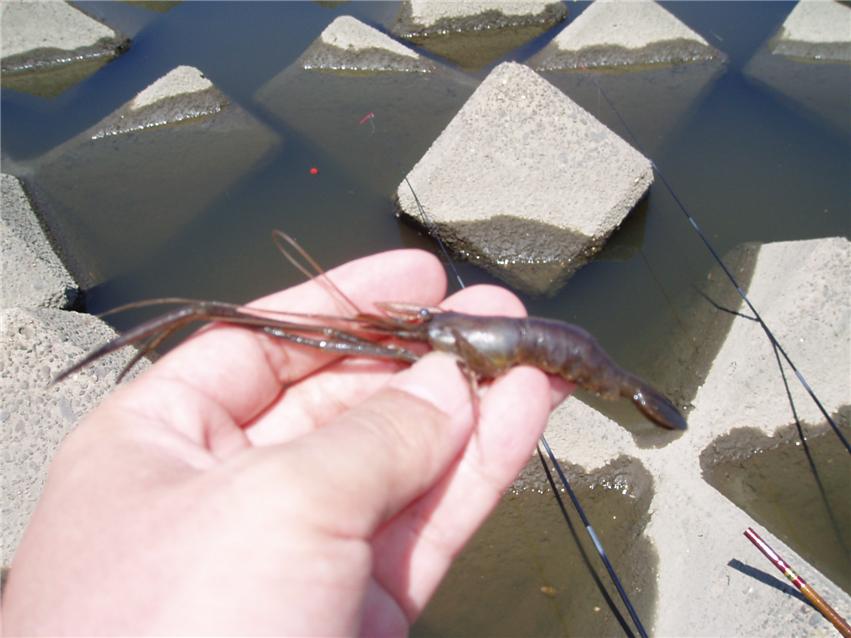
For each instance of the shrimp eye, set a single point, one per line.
(424, 314)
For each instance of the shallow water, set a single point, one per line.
(772, 479)
(526, 573)
(752, 164)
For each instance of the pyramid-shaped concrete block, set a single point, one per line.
(613, 33)
(49, 45)
(472, 34)
(802, 290)
(375, 111)
(808, 58)
(149, 167)
(35, 345)
(180, 95)
(525, 181)
(32, 273)
(349, 45)
(816, 30)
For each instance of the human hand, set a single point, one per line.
(245, 485)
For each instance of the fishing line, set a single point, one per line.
(430, 226)
(594, 538)
(835, 527)
(727, 272)
(602, 589)
(808, 453)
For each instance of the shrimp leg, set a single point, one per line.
(149, 334)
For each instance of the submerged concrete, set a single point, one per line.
(151, 166)
(524, 181)
(32, 273)
(809, 56)
(349, 45)
(816, 30)
(612, 33)
(803, 291)
(424, 18)
(472, 34)
(393, 105)
(42, 41)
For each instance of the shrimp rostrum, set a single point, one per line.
(486, 346)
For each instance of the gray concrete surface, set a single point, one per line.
(33, 27)
(424, 18)
(473, 34)
(134, 160)
(347, 44)
(32, 274)
(808, 55)
(803, 291)
(525, 181)
(49, 45)
(816, 30)
(612, 33)
(38, 343)
(182, 94)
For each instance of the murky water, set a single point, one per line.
(526, 573)
(797, 488)
(753, 165)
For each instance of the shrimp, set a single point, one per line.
(486, 346)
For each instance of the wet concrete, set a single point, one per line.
(81, 186)
(524, 175)
(474, 34)
(796, 486)
(525, 573)
(49, 46)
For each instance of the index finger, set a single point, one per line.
(242, 370)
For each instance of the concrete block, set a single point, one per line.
(525, 182)
(32, 274)
(347, 44)
(816, 30)
(149, 168)
(35, 345)
(611, 33)
(395, 108)
(807, 58)
(49, 45)
(664, 68)
(802, 291)
(472, 34)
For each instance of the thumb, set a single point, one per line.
(373, 460)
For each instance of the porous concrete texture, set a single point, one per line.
(808, 55)
(30, 272)
(349, 45)
(184, 93)
(803, 291)
(817, 30)
(613, 33)
(524, 181)
(653, 100)
(153, 159)
(391, 108)
(45, 35)
(473, 34)
(35, 345)
(429, 17)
